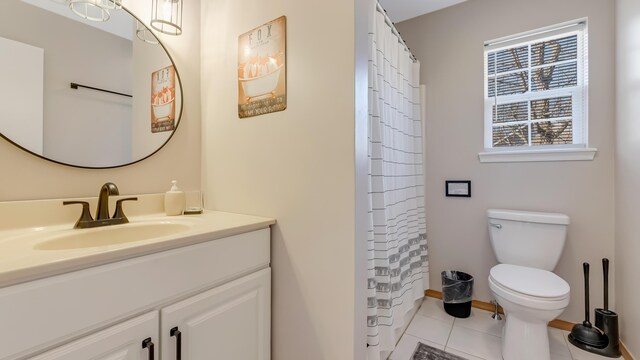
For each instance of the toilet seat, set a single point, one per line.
(530, 281)
(530, 287)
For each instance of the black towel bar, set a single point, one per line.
(76, 86)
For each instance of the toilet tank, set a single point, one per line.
(533, 239)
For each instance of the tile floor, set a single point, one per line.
(475, 338)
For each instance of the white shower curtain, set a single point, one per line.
(398, 265)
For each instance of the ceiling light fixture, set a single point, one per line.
(144, 34)
(166, 16)
(96, 10)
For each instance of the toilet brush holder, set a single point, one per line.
(607, 321)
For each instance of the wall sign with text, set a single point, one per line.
(262, 70)
(163, 104)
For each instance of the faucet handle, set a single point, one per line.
(119, 213)
(86, 213)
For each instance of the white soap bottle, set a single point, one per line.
(174, 200)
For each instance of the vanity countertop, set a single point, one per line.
(21, 260)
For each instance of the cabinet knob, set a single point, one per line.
(175, 332)
(147, 343)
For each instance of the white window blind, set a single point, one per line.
(536, 89)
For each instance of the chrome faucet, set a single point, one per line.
(103, 217)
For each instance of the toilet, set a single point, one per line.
(528, 246)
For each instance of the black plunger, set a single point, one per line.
(585, 333)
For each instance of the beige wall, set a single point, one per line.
(296, 165)
(449, 44)
(628, 171)
(25, 176)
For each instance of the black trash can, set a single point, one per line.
(457, 287)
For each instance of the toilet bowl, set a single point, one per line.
(530, 298)
(528, 246)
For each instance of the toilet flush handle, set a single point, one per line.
(497, 226)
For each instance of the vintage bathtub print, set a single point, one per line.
(163, 94)
(262, 84)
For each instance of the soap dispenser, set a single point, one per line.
(174, 200)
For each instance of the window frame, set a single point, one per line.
(578, 149)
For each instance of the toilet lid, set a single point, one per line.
(530, 281)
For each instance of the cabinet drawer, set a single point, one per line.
(40, 314)
(119, 342)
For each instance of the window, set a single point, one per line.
(535, 92)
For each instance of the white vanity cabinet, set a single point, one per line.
(231, 321)
(216, 293)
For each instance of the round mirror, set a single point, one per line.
(92, 94)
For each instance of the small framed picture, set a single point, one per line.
(458, 188)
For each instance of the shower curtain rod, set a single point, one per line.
(387, 20)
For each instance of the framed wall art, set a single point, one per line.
(163, 95)
(262, 69)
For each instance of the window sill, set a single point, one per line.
(582, 154)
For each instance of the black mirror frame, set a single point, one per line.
(178, 118)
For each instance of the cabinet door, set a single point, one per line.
(232, 322)
(120, 342)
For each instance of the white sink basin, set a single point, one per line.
(31, 249)
(111, 235)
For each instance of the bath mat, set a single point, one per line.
(426, 352)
